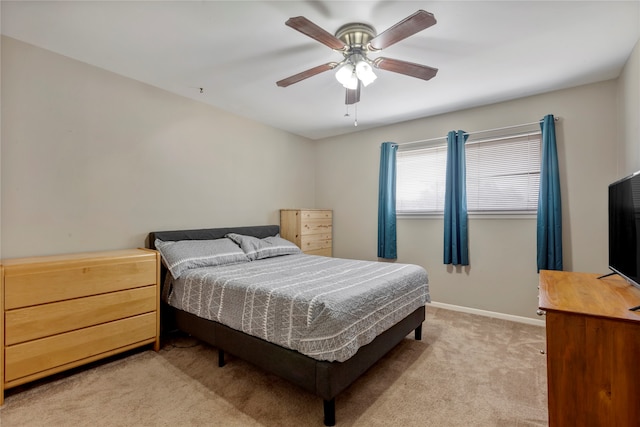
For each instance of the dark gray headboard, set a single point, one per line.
(260, 231)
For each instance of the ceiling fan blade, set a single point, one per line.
(403, 29)
(310, 29)
(408, 68)
(306, 74)
(352, 95)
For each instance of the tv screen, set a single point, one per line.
(624, 226)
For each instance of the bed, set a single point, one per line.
(320, 363)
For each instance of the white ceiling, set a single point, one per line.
(486, 51)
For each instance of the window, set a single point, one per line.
(503, 175)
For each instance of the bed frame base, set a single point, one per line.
(330, 412)
(325, 379)
(329, 404)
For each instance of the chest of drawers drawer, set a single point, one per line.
(43, 282)
(36, 356)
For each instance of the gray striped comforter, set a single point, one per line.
(325, 308)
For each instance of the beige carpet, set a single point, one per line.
(467, 371)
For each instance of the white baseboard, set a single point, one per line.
(521, 319)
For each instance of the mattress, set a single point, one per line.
(325, 308)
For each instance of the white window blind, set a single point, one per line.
(503, 176)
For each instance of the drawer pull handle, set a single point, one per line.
(540, 312)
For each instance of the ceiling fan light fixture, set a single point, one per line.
(352, 83)
(365, 73)
(344, 73)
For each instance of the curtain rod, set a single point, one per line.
(555, 119)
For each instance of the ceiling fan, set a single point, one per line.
(354, 41)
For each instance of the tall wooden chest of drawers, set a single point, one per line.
(310, 229)
(63, 311)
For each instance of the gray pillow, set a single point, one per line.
(268, 247)
(183, 255)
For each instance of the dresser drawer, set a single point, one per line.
(32, 284)
(316, 214)
(310, 242)
(316, 226)
(320, 252)
(40, 355)
(25, 324)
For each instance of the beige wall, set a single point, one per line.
(502, 276)
(94, 161)
(629, 117)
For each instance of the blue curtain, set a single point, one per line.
(387, 202)
(456, 230)
(549, 206)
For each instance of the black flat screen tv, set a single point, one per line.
(624, 228)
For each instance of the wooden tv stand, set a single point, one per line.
(593, 349)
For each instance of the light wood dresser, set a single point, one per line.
(64, 311)
(310, 229)
(593, 349)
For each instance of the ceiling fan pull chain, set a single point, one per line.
(355, 122)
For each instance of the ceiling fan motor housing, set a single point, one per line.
(356, 36)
